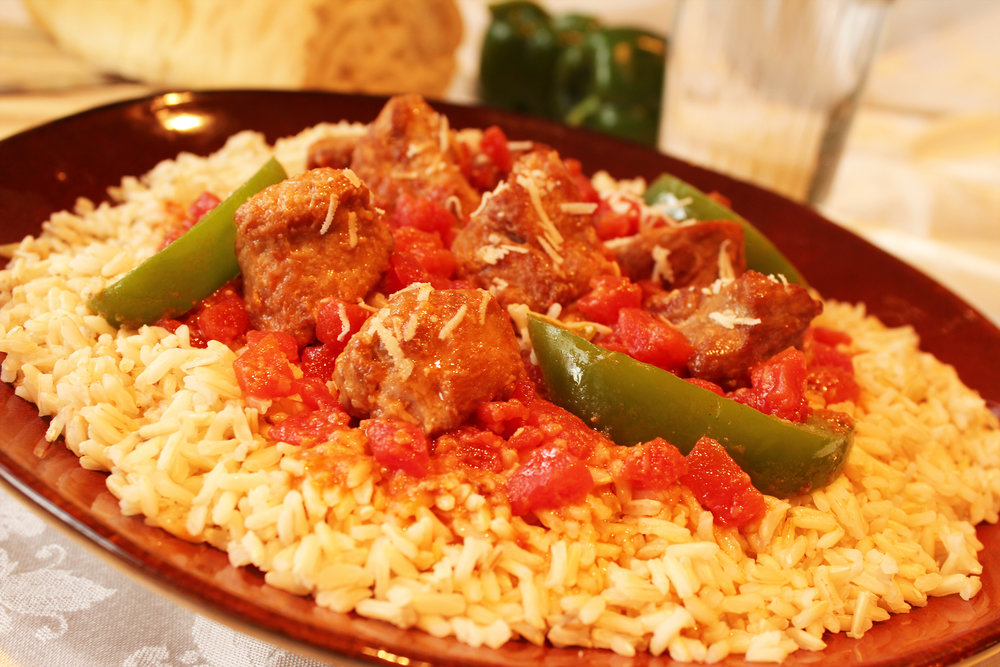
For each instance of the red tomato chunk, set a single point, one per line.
(653, 465)
(398, 445)
(607, 296)
(337, 321)
(263, 371)
(468, 446)
(222, 316)
(549, 478)
(778, 386)
(653, 340)
(310, 428)
(721, 485)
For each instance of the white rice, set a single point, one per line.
(181, 447)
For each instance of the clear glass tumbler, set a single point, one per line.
(765, 90)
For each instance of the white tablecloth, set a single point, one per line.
(920, 177)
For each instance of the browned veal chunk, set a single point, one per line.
(733, 325)
(408, 151)
(682, 255)
(308, 238)
(429, 357)
(532, 241)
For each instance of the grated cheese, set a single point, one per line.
(352, 229)
(353, 178)
(345, 323)
(403, 365)
(578, 207)
(662, 269)
(451, 324)
(443, 128)
(726, 271)
(520, 145)
(331, 209)
(730, 319)
(549, 230)
(484, 302)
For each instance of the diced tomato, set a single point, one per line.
(722, 486)
(829, 371)
(832, 337)
(222, 316)
(263, 370)
(398, 445)
(502, 417)
(617, 217)
(607, 296)
(778, 386)
(284, 340)
(315, 393)
(653, 465)
(549, 478)
(318, 361)
(494, 145)
(653, 340)
(423, 213)
(310, 428)
(707, 384)
(338, 320)
(205, 202)
(428, 249)
(587, 190)
(556, 424)
(470, 446)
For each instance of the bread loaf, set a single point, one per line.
(374, 46)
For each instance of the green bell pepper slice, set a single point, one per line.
(200, 261)
(762, 255)
(633, 402)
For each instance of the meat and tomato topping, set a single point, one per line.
(309, 238)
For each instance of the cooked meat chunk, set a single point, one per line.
(334, 151)
(532, 241)
(683, 255)
(429, 357)
(408, 151)
(308, 238)
(733, 325)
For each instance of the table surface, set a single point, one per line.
(920, 177)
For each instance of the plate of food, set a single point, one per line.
(419, 383)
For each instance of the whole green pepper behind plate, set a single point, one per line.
(572, 69)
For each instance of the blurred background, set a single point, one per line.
(919, 173)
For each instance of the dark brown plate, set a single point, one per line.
(45, 169)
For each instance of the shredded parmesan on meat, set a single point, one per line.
(482, 202)
(549, 231)
(331, 209)
(491, 254)
(353, 178)
(403, 365)
(621, 241)
(443, 128)
(454, 205)
(578, 207)
(549, 250)
(662, 269)
(730, 319)
(345, 322)
(520, 145)
(352, 229)
(726, 271)
(451, 324)
(484, 302)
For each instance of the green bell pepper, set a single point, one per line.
(623, 99)
(173, 280)
(761, 254)
(572, 69)
(633, 402)
(518, 58)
